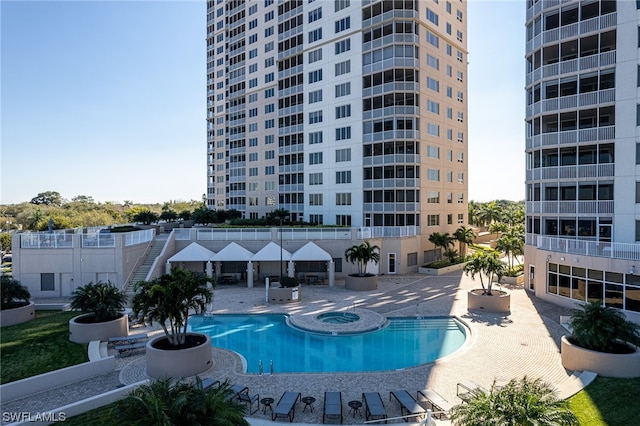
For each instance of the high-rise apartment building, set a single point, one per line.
(342, 112)
(583, 155)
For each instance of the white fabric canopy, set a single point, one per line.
(194, 252)
(233, 252)
(310, 251)
(271, 253)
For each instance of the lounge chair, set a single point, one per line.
(437, 402)
(332, 406)
(208, 382)
(466, 390)
(132, 338)
(286, 406)
(250, 400)
(373, 406)
(408, 405)
(127, 349)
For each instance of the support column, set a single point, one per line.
(250, 274)
(332, 273)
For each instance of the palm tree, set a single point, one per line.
(486, 263)
(600, 328)
(512, 244)
(170, 298)
(14, 294)
(464, 236)
(165, 402)
(104, 300)
(519, 402)
(443, 241)
(361, 255)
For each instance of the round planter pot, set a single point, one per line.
(358, 283)
(179, 363)
(17, 315)
(84, 332)
(576, 358)
(498, 302)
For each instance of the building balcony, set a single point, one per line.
(291, 168)
(594, 134)
(389, 111)
(397, 13)
(581, 100)
(391, 183)
(391, 159)
(391, 135)
(391, 63)
(570, 207)
(390, 39)
(573, 30)
(571, 172)
(624, 251)
(390, 207)
(583, 63)
(409, 86)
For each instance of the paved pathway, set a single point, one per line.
(500, 347)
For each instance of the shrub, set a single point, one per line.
(289, 282)
(602, 328)
(103, 300)
(14, 294)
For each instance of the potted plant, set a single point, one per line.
(519, 402)
(486, 263)
(102, 306)
(16, 307)
(289, 291)
(603, 341)
(361, 255)
(168, 300)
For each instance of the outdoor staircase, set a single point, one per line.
(140, 274)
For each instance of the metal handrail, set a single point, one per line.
(427, 421)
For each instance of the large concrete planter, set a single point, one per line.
(178, 363)
(17, 315)
(358, 283)
(498, 302)
(285, 294)
(576, 358)
(517, 280)
(85, 332)
(441, 271)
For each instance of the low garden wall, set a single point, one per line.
(441, 271)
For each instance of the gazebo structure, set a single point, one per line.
(313, 252)
(234, 252)
(193, 253)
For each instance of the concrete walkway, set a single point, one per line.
(501, 347)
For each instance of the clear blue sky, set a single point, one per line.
(107, 99)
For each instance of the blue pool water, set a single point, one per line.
(404, 342)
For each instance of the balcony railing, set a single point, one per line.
(46, 240)
(625, 251)
(572, 102)
(571, 172)
(593, 134)
(571, 207)
(572, 30)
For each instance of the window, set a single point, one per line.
(253, 23)
(460, 177)
(449, 197)
(450, 177)
(268, 16)
(253, 82)
(343, 176)
(449, 92)
(450, 134)
(448, 7)
(460, 218)
(269, 124)
(460, 97)
(269, 155)
(253, 127)
(450, 114)
(460, 117)
(342, 4)
(343, 133)
(315, 96)
(315, 158)
(253, 156)
(269, 108)
(343, 199)
(460, 137)
(343, 46)
(433, 62)
(343, 24)
(253, 141)
(448, 28)
(253, 68)
(315, 14)
(269, 139)
(343, 89)
(269, 46)
(268, 78)
(269, 62)
(432, 16)
(269, 93)
(459, 15)
(433, 220)
(315, 137)
(269, 170)
(315, 35)
(433, 151)
(460, 198)
(343, 67)
(268, 31)
(269, 185)
(343, 111)
(316, 219)
(638, 115)
(315, 178)
(47, 281)
(342, 220)
(253, 53)
(433, 107)
(433, 197)
(459, 55)
(253, 9)
(433, 84)
(432, 39)
(315, 55)
(450, 219)
(253, 112)
(459, 35)
(315, 76)
(433, 129)
(433, 174)
(315, 117)
(343, 155)
(253, 171)
(460, 157)
(315, 199)
(448, 49)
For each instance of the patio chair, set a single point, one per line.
(208, 382)
(332, 406)
(466, 390)
(250, 400)
(373, 406)
(408, 405)
(286, 406)
(437, 402)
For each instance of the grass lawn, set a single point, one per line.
(39, 346)
(606, 401)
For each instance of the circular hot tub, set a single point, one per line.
(338, 317)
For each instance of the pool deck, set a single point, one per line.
(500, 347)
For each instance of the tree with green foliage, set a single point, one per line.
(441, 241)
(103, 300)
(361, 255)
(5, 241)
(146, 217)
(485, 262)
(47, 198)
(277, 217)
(464, 236)
(520, 402)
(166, 402)
(204, 216)
(601, 328)
(170, 299)
(14, 294)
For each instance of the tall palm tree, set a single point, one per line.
(518, 403)
(440, 240)
(361, 255)
(485, 263)
(169, 299)
(464, 236)
(167, 403)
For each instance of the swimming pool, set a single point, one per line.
(262, 338)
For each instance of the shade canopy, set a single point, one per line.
(233, 252)
(194, 252)
(311, 251)
(271, 253)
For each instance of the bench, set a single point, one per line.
(437, 402)
(122, 349)
(132, 338)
